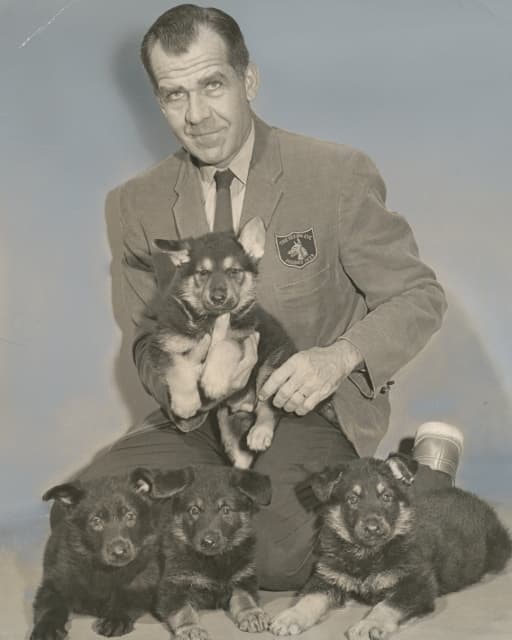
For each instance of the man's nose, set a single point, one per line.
(197, 109)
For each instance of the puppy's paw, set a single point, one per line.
(289, 622)
(191, 632)
(185, 405)
(111, 627)
(260, 437)
(253, 620)
(368, 629)
(48, 630)
(215, 383)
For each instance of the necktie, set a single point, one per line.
(223, 220)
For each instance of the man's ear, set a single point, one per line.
(177, 250)
(254, 485)
(161, 484)
(252, 238)
(402, 467)
(68, 494)
(252, 81)
(324, 482)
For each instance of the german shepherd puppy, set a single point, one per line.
(380, 545)
(208, 545)
(202, 318)
(100, 559)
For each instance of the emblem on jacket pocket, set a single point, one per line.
(297, 249)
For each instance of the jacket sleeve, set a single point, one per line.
(138, 289)
(405, 302)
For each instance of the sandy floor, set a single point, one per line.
(483, 611)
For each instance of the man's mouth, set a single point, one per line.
(207, 138)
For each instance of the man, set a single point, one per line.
(340, 272)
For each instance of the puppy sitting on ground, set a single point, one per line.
(100, 559)
(208, 545)
(198, 326)
(379, 545)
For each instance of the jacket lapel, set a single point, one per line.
(262, 195)
(188, 207)
(263, 191)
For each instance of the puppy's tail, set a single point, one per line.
(499, 547)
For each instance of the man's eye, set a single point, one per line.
(214, 85)
(173, 96)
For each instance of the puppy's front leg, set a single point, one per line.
(174, 607)
(308, 610)
(50, 614)
(259, 437)
(248, 616)
(413, 597)
(315, 600)
(182, 380)
(222, 360)
(185, 625)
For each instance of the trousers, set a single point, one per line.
(285, 530)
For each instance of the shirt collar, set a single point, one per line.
(239, 165)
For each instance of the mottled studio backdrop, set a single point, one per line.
(424, 87)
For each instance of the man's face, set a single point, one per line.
(205, 101)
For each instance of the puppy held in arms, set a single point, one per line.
(380, 545)
(202, 319)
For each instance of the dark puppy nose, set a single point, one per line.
(119, 548)
(372, 526)
(210, 540)
(218, 296)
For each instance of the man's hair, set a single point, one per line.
(178, 28)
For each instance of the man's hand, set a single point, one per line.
(310, 376)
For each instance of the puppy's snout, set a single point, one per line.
(218, 295)
(210, 541)
(373, 527)
(119, 551)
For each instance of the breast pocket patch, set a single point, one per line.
(297, 249)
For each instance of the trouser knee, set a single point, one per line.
(283, 566)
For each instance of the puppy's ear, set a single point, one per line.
(177, 250)
(142, 480)
(252, 238)
(324, 482)
(402, 467)
(164, 484)
(68, 494)
(254, 485)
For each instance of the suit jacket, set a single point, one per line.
(337, 263)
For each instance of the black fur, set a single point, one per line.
(214, 275)
(101, 558)
(208, 542)
(378, 543)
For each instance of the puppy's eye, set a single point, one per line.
(225, 510)
(387, 498)
(96, 523)
(352, 499)
(130, 518)
(194, 511)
